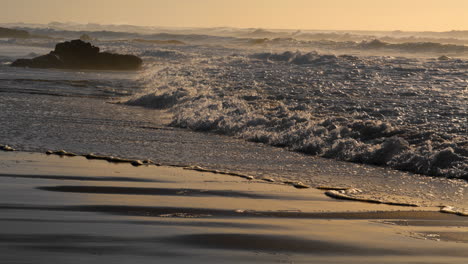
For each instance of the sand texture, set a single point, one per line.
(73, 210)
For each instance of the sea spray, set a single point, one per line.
(371, 110)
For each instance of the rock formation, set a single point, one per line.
(77, 54)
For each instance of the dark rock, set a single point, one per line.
(107, 60)
(77, 54)
(45, 61)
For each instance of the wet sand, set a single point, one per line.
(73, 210)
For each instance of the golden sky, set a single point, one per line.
(436, 15)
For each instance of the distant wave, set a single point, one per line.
(300, 58)
(414, 47)
(452, 37)
(160, 42)
(373, 45)
(166, 54)
(453, 42)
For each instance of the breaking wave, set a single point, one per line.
(166, 54)
(300, 58)
(373, 110)
(366, 45)
(414, 46)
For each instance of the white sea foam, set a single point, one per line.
(403, 113)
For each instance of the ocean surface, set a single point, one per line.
(388, 116)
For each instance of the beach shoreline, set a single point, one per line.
(71, 209)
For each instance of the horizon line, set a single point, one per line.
(233, 27)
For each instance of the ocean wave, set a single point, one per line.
(341, 107)
(364, 45)
(160, 42)
(90, 84)
(300, 58)
(414, 46)
(166, 54)
(363, 141)
(163, 100)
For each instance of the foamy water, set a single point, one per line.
(274, 100)
(408, 114)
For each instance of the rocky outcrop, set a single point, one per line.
(77, 54)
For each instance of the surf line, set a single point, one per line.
(343, 193)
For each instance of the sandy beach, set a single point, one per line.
(73, 210)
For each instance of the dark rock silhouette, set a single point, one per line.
(77, 54)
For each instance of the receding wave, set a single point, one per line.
(366, 110)
(66, 87)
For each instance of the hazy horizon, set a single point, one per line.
(417, 15)
(71, 23)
